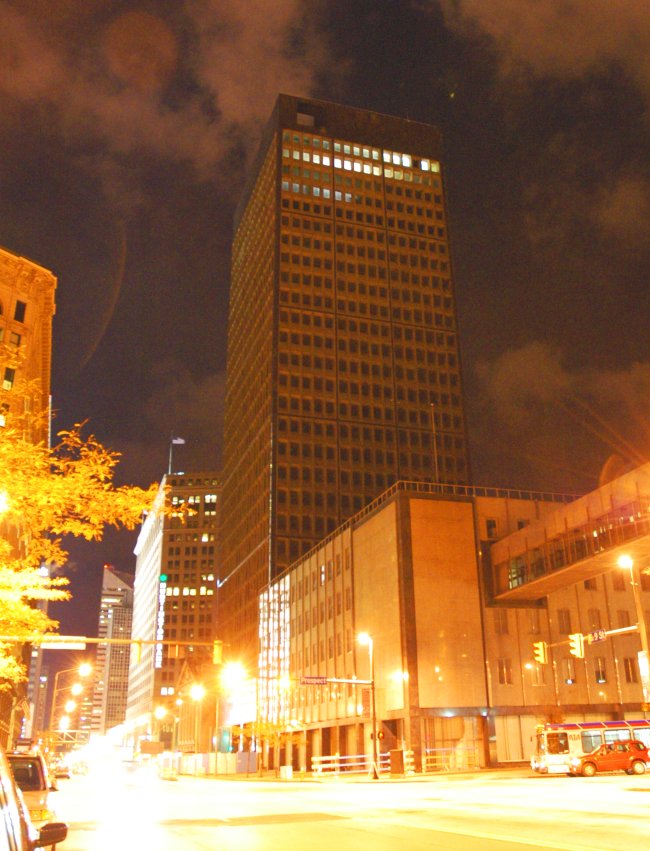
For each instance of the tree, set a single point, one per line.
(46, 493)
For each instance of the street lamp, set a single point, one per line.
(197, 693)
(83, 670)
(626, 562)
(177, 721)
(232, 677)
(365, 638)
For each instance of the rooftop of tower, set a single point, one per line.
(348, 123)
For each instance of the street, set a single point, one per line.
(506, 810)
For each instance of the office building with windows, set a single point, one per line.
(174, 591)
(459, 588)
(26, 312)
(112, 659)
(343, 372)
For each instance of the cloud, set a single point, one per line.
(189, 406)
(623, 209)
(247, 53)
(565, 423)
(571, 80)
(182, 405)
(184, 89)
(562, 38)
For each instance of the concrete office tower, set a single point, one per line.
(112, 660)
(174, 593)
(343, 372)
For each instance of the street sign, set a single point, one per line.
(597, 635)
(313, 681)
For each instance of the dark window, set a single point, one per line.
(19, 311)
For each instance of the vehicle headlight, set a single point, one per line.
(575, 761)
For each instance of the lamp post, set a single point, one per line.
(626, 562)
(231, 682)
(197, 693)
(177, 721)
(366, 639)
(82, 670)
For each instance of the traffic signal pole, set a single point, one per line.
(79, 642)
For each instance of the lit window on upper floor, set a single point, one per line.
(9, 378)
(14, 339)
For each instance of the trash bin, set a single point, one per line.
(397, 761)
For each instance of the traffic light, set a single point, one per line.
(577, 645)
(217, 652)
(540, 652)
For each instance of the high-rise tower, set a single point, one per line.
(112, 660)
(174, 592)
(343, 360)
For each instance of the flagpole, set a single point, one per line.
(172, 441)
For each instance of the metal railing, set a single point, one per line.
(347, 764)
(433, 760)
(450, 759)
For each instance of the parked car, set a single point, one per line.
(60, 769)
(17, 833)
(31, 775)
(630, 756)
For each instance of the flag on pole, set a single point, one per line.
(174, 441)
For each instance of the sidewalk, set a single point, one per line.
(273, 775)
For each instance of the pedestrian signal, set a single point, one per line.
(217, 652)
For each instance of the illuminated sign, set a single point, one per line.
(160, 621)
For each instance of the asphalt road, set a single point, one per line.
(509, 810)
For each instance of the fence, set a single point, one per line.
(354, 764)
(433, 760)
(450, 759)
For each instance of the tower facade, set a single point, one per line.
(174, 590)
(112, 660)
(343, 372)
(26, 312)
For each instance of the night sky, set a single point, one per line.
(125, 134)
